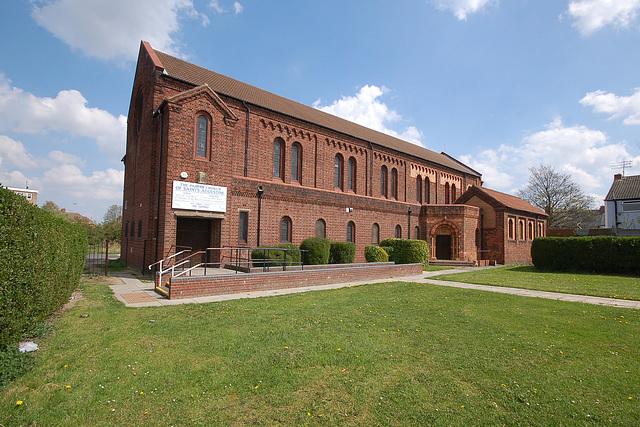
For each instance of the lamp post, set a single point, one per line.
(409, 224)
(260, 193)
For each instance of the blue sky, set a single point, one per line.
(503, 85)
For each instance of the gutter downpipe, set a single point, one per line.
(246, 142)
(157, 113)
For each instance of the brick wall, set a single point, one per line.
(200, 286)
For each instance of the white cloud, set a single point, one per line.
(101, 185)
(591, 15)
(238, 8)
(462, 8)
(215, 5)
(23, 112)
(13, 152)
(366, 109)
(618, 106)
(584, 153)
(109, 29)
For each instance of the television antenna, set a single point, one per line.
(623, 164)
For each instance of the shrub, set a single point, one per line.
(319, 250)
(275, 257)
(374, 253)
(342, 253)
(43, 256)
(602, 254)
(407, 251)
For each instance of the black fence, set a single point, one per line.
(96, 263)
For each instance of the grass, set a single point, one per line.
(384, 354)
(528, 277)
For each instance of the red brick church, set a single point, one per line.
(213, 162)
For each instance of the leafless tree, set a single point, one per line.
(557, 194)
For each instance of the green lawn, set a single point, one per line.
(528, 277)
(384, 354)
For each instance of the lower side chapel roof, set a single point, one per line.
(196, 75)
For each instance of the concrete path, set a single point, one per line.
(136, 293)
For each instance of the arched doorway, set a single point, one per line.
(444, 239)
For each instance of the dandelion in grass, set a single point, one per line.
(20, 402)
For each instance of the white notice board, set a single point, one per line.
(199, 197)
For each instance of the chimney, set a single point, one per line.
(617, 176)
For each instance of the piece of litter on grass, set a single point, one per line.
(28, 347)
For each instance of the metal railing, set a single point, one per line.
(237, 259)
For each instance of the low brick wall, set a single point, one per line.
(201, 286)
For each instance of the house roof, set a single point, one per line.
(502, 199)
(624, 188)
(196, 75)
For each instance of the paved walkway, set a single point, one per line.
(136, 293)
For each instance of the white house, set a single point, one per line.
(622, 204)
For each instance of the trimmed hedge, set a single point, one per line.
(602, 254)
(276, 257)
(374, 253)
(319, 250)
(342, 253)
(42, 258)
(407, 251)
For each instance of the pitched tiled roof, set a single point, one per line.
(506, 200)
(196, 75)
(625, 188)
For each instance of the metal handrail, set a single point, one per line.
(235, 258)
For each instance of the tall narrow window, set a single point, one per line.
(427, 190)
(243, 227)
(512, 231)
(285, 229)
(446, 193)
(337, 172)
(394, 183)
(202, 139)
(133, 229)
(416, 232)
(375, 234)
(321, 229)
(453, 193)
(530, 231)
(352, 174)
(278, 158)
(351, 232)
(384, 176)
(296, 162)
(419, 189)
(521, 235)
(398, 232)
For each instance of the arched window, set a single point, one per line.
(427, 190)
(512, 229)
(338, 171)
(384, 176)
(530, 236)
(446, 193)
(285, 229)
(202, 138)
(351, 232)
(394, 183)
(278, 158)
(521, 235)
(419, 189)
(375, 234)
(453, 193)
(321, 229)
(351, 176)
(416, 232)
(398, 232)
(296, 162)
